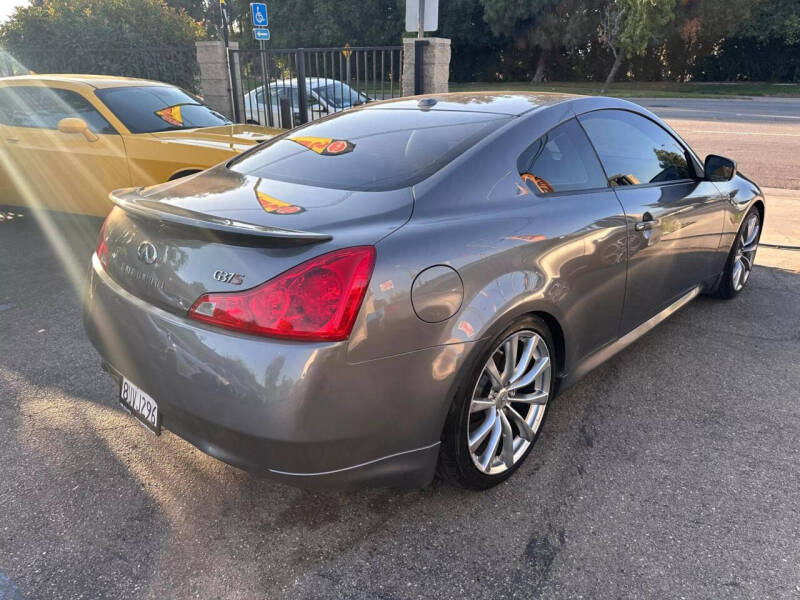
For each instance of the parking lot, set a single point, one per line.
(673, 470)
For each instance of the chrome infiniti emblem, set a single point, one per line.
(147, 253)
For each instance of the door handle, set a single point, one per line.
(12, 140)
(646, 224)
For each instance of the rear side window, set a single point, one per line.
(151, 108)
(43, 107)
(634, 150)
(377, 149)
(562, 160)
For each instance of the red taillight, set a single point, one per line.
(316, 300)
(102, 246)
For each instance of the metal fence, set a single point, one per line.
(312, 82)
(175, 65)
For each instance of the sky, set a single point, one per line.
(7, 7)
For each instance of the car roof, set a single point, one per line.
(95, 81)
(506, 103)
(310, 80)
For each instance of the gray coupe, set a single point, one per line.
(408, 284)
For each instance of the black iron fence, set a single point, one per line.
(311, 82)
(175, 65)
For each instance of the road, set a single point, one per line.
(762, 135)
(673, 470)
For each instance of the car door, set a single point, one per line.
(588, 264)
(290, 92)
(674, 217)
(59, 170)
(257, 107)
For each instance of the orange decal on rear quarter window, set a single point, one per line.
(277, 207)
(325, 146)
(316, 144)
(172, 115)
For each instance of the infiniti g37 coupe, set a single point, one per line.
(407, 285)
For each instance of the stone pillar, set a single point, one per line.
(215, 75)
(435, 62)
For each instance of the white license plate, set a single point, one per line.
(140, 405)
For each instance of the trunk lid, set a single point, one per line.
(222, 231)
(237, 138)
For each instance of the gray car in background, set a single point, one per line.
(409, 283)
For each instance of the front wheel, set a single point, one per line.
(498, 412)
(742, 256)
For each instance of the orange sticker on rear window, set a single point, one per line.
(172, 115)
(277, 207)
(325, 146)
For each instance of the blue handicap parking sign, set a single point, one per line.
(258, 13)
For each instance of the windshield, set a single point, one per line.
(340, 95)
(147, 109)
(369, 150)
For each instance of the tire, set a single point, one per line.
(183, 174)
(479, 397)
(741, 257)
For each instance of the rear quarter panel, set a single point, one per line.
(515, 252)
(152, 160)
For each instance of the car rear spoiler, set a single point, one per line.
(214, 227)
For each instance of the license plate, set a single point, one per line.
(140, 405)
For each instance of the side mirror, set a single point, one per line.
(719, 168)
(76, 125)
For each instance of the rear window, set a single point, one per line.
(149, 109)
(369, 150)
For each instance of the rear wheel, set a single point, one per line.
(183, 174)
(499, 410)
(742, 256)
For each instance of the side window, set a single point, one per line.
(634, 150)
(285, 92)
(43, 107)
(562, 160)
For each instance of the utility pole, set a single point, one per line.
(223, 11)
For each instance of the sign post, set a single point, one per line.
(260, 19)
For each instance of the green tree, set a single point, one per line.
(317, 23)
(628, 27)
(541, 25)
(699, 27)
(115, 37)
(774, 20)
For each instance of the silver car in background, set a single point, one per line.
(324, 96)
(407, 285)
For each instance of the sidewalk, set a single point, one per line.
(781, 228)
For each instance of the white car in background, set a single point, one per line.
(325, 96)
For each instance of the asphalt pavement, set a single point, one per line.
(673, 470)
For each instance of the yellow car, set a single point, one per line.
(66, 141)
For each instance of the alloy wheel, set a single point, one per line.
(747, 244)
(509, 402)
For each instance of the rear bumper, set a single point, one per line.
(298, 412)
